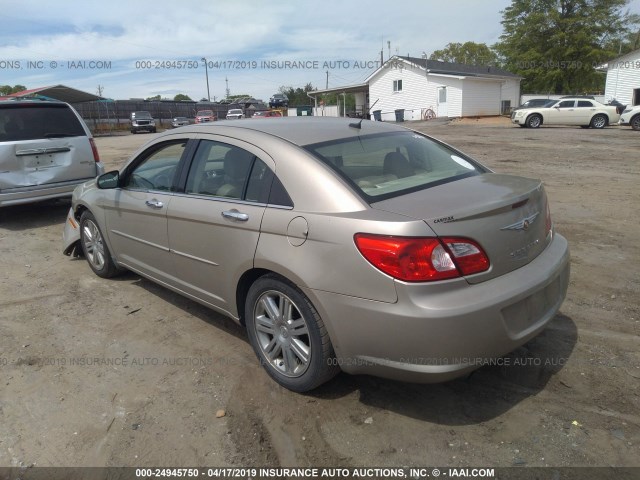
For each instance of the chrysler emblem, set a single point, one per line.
(522, 224)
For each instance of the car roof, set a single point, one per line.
(303, 130)
(31, 101)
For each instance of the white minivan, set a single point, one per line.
(46, 150)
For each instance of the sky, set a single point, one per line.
(135, 49)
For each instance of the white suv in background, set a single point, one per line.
(45, 151)
(631, 116)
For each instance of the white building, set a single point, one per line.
(623, 79)
(410, 86)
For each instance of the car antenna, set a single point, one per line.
(358, 125)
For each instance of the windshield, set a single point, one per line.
(141, 115)
(388, 165)
(234, 112)
(204, 113)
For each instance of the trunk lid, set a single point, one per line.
(40, 162)
(505, 214)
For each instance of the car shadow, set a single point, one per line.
(483, 395)
(192, 307)
(34, 215)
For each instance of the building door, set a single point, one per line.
(636, 97)
(443, 109)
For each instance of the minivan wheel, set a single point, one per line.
(288, 335)
(599, 121)
(94, 248)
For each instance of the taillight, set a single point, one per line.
(467, 255)
(94, 149)
(422, 259)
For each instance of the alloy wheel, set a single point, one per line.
(282, 333)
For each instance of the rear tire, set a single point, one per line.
(635, 122)
(95, 249)
(599, 121)
(534, 121)
(288, 335)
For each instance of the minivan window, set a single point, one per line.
(386, 165)
(32, 122)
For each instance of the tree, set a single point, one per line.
(155, 97)
(469, 53)
(8, 89)
(557, 45)
(181, 97)
(298, 96)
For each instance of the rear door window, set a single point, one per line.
(32, 122)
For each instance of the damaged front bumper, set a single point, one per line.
(71, 236)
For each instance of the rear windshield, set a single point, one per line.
(32, 122)
(387, 165)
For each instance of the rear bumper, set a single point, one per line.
(19, 196)
(437, 332)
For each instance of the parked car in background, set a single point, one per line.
(362, 246)
(279, 100)
(142, 121)
(569, 111)
(179, 121)
(235, 114)
(266, 114)
(46, 150)
(204, 116)
(631, 116)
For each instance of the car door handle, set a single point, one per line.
(235, 215)
(154, 203)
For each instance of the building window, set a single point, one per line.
(397, 85)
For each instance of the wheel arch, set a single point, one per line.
(537, 114)
(606, 118)
(247, 279)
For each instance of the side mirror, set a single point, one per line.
(109, 180)
(557, 106)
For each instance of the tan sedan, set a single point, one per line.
(339, 244)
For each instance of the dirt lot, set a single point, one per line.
(125, 373)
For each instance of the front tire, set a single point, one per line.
(635, 122)
(94, 248)
(599, 121)
(534, 121)
(288, 335)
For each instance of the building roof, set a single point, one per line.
(436, 67)
(58, 92)
(360, 87)
(611, 63)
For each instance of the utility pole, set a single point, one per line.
(327, 86)
(100, 90)
(206, 72)
(227, 82)
(389, 47)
